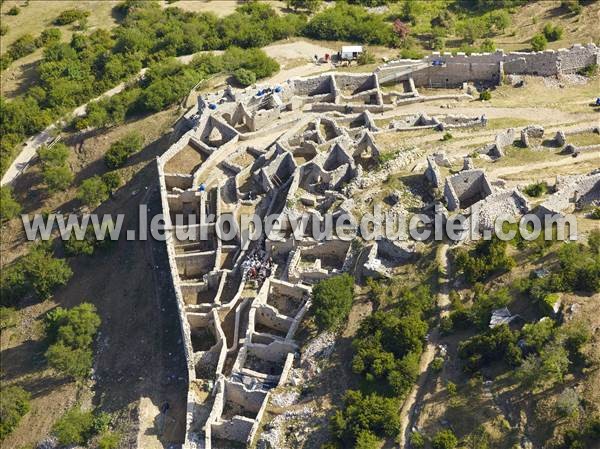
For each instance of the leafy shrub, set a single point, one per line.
(486, 95)
(93, 191)
(499, 343)
(444, 439)
(57, 178)
(488, 45)
(487, 258)
(112, 180)
(87, 245)
(595, 214)
(553, 32)
(14, 11)
(447, 136)
(36, 272)
(48, 37)
(332, 301)
(417, 440)
(437, 364)
(14, 404)
(70, 15)
(365, 58)
(589, 71)
(71, 333)
(536, 190)
(3, 30)
(253, 59)
(372, 413)
(567, 403)
(539, 42)
(411, 53)
(122, 149)
(55, 172)
(244, 77)
(109, 440)
(23, 46)
(8, 317)
(350, 23)
(9, 207)
(74, 427)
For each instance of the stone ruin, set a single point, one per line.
(572, 193)
(307, 146)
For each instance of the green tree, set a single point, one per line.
(244, 77)
(49, 37)
(57, 178)
(74, 427)
(14, 404)
(9, 207)
(122, 149)
(567, 403)
(366, 440)
(112, 180)
(109, 440)
(539, 42)
(488, 45)
(71, 333)
(444, 439)
(332, 301)
(38, 272)
(366, 413)
(553, 32)
(70, 15)
(310, 5)
(8, 317)
(93, 191)
(14, 11)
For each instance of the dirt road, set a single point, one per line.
(409, 411)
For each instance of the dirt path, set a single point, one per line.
(408, 413)
(503, 171)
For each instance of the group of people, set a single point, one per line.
(257, 266)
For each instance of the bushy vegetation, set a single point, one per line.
(388, 344)
(366, 413)
(444, 439)
(93, 191)
(77, 427)
(479, 313)
(37, 273)
(332, 301)
(122, 149)
(536, 189)
(69, 16)
(56, 174)
(488, 257)
(539, 42)
(72, 73)
(244, 77)
(589, 71)
(9, 207)
(553, 32)
(387, 349)
(71, 333)
(578, 270)
(485, 95)
(86, 246)
(497, 344)
(350, 23)
(14, 404)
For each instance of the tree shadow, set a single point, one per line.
(22, 360)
